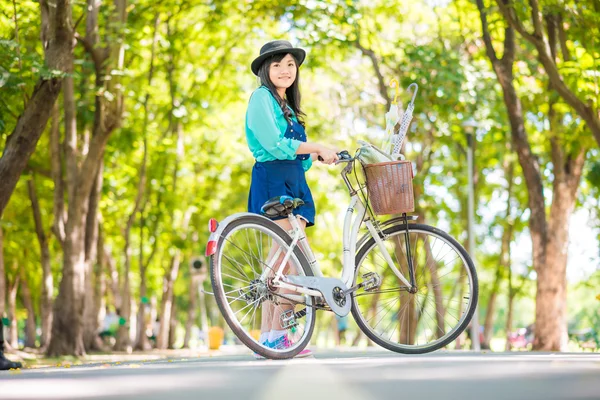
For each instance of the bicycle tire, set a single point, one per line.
(219, 289)
(399, 228)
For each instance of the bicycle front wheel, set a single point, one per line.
(443, 304)
(252, 307)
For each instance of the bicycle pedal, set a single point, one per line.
(371, 281)
(288, 319)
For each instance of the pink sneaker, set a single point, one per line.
(284, 342)
(304, 353)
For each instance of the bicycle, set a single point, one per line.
(410, 287)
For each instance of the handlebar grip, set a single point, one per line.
(343, 155)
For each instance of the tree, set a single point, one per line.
(549, 233)
(67, 326)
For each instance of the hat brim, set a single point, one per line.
(298, 54)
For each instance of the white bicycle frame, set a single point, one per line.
(349, 241)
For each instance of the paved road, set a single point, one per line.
(347, 375)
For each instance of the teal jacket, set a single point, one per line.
(265, 127)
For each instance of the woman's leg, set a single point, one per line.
(289, 269)
(268, 314)
(267, 305)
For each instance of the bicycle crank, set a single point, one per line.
(371, 281)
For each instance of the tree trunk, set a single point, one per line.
(488, 324)
(100, 282)
(113, 273)
(22, 141)
(79, 185)
(2, 277)
(538, 225)
(551, 298)
(145, 319)
(67, 325)
(460, 285)
(90, 331)
(192, 311)
(176, 129)
(166, 308)
(67, 329)
(509, 312)
(173, 327)
(13, 333)
(373, 311)
(550, 332)
(47, 284)
(58, 211)
(123, 340)
(440, 309)
(30, 325)
(99, 57)
(142, 342)
(504, 257)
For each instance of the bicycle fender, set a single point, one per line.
(383, 225)
(215, 237)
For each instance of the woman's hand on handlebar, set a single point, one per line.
(327, 156)
(342, 156)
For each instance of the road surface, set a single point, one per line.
(348, 374)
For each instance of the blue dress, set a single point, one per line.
(283, 177)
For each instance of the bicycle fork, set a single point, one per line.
(411, 266)
(378, 236)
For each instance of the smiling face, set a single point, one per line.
(283, 73)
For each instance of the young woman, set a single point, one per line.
(277, 139)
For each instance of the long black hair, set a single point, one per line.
(292, 93)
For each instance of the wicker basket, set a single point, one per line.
(390, 187)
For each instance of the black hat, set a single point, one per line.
(277, 47)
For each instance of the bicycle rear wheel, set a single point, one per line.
(443, 304)
(250, 305)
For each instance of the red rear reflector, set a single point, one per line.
(211, 248)
(212, 225)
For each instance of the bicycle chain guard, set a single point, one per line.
(329, 288)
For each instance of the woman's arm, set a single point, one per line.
(328, 155)
(262, 121)
(309, 148)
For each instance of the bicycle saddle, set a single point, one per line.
(280, 206)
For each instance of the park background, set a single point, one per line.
(139, 110)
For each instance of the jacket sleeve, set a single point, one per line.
(262, 121)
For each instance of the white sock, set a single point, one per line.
(264, 336)
(275, 334)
